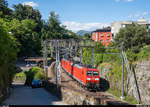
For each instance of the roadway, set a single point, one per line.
(24, 95)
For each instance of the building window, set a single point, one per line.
(108, 34)
(101, 34)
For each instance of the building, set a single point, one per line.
(102, 35)
(116, 26)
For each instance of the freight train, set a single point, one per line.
(87, 77)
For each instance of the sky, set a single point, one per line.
(90, 14)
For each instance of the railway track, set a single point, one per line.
(69, 83)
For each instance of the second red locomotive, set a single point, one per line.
(88, 77)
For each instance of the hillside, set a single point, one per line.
(82, 32)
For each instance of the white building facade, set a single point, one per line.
(116, 26)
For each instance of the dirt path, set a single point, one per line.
(23, 95)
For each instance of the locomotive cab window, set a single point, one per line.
(89, 73)
(95, 73)
(92, 73)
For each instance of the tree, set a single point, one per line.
(25, 33)
(4, 3)
(8, 54)
(87, 36)
(54, 30)
(4, 10)
(134, 37)
(22, 12)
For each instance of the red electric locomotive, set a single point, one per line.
(88, 77)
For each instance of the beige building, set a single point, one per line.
(116, 26)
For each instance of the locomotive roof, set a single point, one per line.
(81, 64)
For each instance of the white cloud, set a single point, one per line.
(117, 0)
(124, 0)
(145, 13)
(76, 26)
(128, 0)
(30, 3)
(138, 15)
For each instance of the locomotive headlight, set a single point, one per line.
(96, 78)
(88, 79)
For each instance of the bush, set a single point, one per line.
(20, 76)
(34, 73)
(39, 75)
(35, 69)
(144, 53)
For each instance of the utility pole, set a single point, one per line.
(81, 57)
(122, 46)
(51, 47)
(93, 60)
(57, 64)
(45, 59)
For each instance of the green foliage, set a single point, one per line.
(99, 47)
(36, 69)
(116, 71)
(129, 99)
(87, 36)
(8, 54)
(22, 12)
(132, 56)
(3, 3)
(5, 12)
(100, 56)
(87, 54)
(20, 76)
(144, 53)
(54, 30)
(28, 38)
(134, 37)
(39, 75)
(27, 29)
(34, 73)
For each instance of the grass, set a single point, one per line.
(128, 99)
(144, 54)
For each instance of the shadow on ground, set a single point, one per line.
(104, 85)
(25, 95)
(53, 89)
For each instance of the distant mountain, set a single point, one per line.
(82, 32)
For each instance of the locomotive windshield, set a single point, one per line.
(90, 73)
(95, 73)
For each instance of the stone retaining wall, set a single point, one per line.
(69, 96)
(142, 73)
